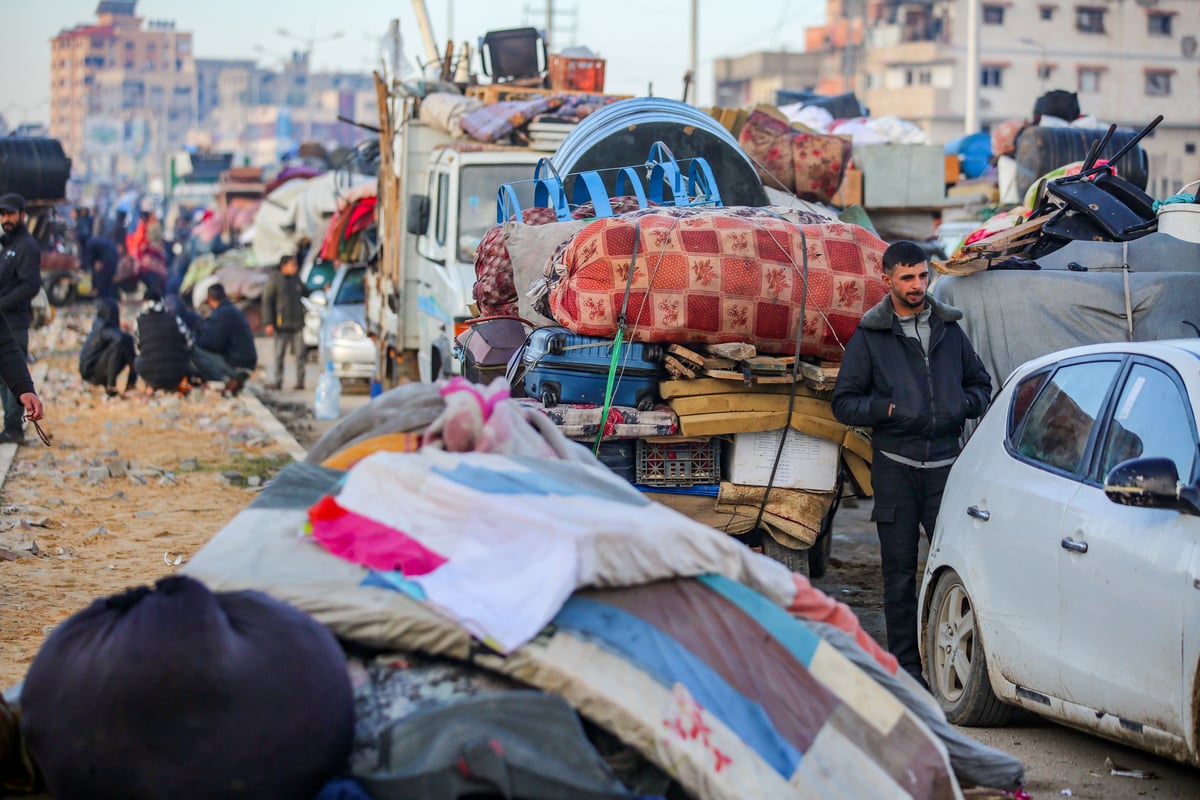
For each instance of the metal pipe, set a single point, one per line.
(971, 115)
(431, 49)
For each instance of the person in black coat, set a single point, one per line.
(101, 256)
(108, 350)
(225, 348)
(911, 375)
(20, 281)
(163, 343)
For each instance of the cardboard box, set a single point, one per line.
(953, 167)
(807, 462)
(850, 192)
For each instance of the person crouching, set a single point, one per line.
(164, 344)
(108, 350)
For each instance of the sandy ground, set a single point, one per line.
(127, 486)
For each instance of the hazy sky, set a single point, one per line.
(642, 40)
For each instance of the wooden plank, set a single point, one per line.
(735, 350)
(731, 422)
(715, 403)
(700, 386)
(690, 357)
(859, 442)
(717, 362)
(678, 368)
(731, 375)
(817, 376)
(860, 472)
(768, 364)
(820, 427)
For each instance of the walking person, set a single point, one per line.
(108, 350)
(284, 316)
(20, 281)
(101, 256)
(911, 375)
(225, 345)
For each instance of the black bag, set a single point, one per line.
(1040, 150)
(177, 693)
(518, 744)
(1057, 103)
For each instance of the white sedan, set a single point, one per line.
(1064, 572)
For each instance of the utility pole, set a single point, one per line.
(971, 115)
(694, 50)
(549, 22)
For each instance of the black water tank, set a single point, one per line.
(36, 169)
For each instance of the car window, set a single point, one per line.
(1150, 418)
(351, 290)
(1062, 417)
(1022, 399)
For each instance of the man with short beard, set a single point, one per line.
(911, 375)
(20, 280)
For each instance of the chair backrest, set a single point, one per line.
(513, 54)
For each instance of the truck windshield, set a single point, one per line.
(477, 200)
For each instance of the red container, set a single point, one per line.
(577, 74)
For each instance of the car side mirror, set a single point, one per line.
(418, 214)
(1151, 483)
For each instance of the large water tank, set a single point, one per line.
(35, 168)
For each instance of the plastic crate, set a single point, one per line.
(577, 74)
(683, 463)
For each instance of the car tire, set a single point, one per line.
(956, 663)
(795, 560)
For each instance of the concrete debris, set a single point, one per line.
(167, 480)
(99, 530)
(146, 514)
(189, 464)
(98, 474)
(254, 481)
(118, 468)
(231, 478)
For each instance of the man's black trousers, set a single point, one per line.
(905, 499)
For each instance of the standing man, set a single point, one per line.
(283, 314)
(101, 257)
(225, 346)
(911, 375)
(20, 281)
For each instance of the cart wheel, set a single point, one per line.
(61, 291)
(645, 401)
(556, 345)
(549, 398)
(819, 553)
(653, 352)
(795, 560)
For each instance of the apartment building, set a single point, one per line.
(1128, 60)
(122, 90)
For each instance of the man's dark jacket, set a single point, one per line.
(20, 276)
(13, 368)
(164, 348)
(227, 333)
(281, 304)
(884, 366)
(106, 331)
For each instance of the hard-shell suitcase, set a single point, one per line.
(565, 367)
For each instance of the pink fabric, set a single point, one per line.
(363, 541)
(811, 603)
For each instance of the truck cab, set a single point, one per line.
(445, 199)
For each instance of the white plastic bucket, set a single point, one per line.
(1181, 220)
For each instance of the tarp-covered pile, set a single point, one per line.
(526, 558)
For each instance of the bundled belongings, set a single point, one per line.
(628, 612)
(719, 275)
(807, 163)
(176, 692)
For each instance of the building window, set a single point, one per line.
(1089, 20)
(991, 76)
(1046, 12)
(1044, 71)
(1158, 24)
(1089, 81)
(1158, 83)
(1190, 148)
(993, 15)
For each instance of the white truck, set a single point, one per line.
(437, 197)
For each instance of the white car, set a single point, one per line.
(1064, 572)
(342, 337)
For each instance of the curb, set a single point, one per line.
(8, 450)
(272, 426)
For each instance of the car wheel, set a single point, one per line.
(956, 663)
(795, 560)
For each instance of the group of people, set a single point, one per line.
(141, 250)
(171, 347)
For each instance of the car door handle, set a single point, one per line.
(978, 513)
(1070, 544)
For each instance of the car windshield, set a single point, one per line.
(351, 290)
(477, 200)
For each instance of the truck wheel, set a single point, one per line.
(60, 291)
(795, 560)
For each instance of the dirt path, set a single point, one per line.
(130, 489)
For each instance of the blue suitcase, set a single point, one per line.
(565, 367)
